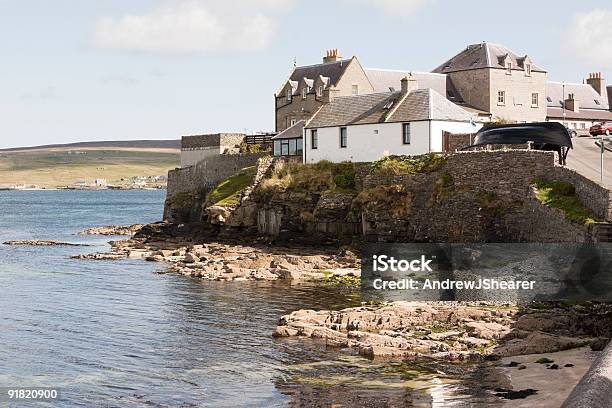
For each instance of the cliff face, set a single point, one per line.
(464, 197)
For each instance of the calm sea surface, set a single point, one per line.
(117, 334)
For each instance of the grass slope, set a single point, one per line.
(229, 191)
(55, 168)
(561, 195)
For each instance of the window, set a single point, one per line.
(343, 137)
(284, 147)
(501, 97)
(289, 95)
(300, 147)
(304, 92)
(293, 121)
(528, 69)
(534, 100)
(596, 101)
(583, 125)
(277, 147)
(355, 89)
(406, 133)
(292, 147)
(509, 68)
(314, 139)
(320, 90)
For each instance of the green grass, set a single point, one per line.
(400, 165)
(315, 178)
(562, 195)
(229, 191)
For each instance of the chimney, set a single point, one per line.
(409, 84)
(332, 55)
(597, 81)
(329, 94)
(571, 103)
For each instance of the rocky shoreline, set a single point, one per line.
(213, 258)
(453, 331)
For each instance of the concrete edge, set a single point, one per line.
(595, 388)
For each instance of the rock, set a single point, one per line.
(599, 344)
(513, 364)
(544, 360)
(487, 330)
(522, 367)
(113, 230)
(553, 367)
(512, 395)
(191, 258)
(155, 258)
(568, 365)
(36, 242)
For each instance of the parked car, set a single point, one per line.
(604, 128)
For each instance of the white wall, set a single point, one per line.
(439, 126)
(365, 145)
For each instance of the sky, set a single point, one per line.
(84, 70)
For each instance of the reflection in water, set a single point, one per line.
(115, 333)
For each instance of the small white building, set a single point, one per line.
(365, 128)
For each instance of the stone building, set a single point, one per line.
(492, 78)
(579, 106)
(200, 147)
(309, 87)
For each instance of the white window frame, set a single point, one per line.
(527, 69)
(343, 140)
(508, 68)
(535, 97)
(355, 89)
(501, 98)
(406, 133)
(289, 95)
(320, 90)
(304, 92)
(292, 122)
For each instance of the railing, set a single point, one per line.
(265, 138)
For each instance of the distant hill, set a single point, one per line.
(65, 164)
(111, 145)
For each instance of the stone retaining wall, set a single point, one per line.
(592, 194)
(209, 172)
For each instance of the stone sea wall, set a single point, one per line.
(482, 196)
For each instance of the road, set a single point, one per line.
(585, 159)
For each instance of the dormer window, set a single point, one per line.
(528, 69)
(355, 89)
(304, 92)
(289, 95)
(320, 90)
(508, 68)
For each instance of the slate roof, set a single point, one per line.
(583, 114)
(383, 79)
(483, 55)
(331, 70)
(292, 132)
(422, 104)
(584, 93)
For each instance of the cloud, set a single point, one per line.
(590, 37)
(193, 26)
(395, 8)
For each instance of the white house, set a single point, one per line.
(367, 127)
